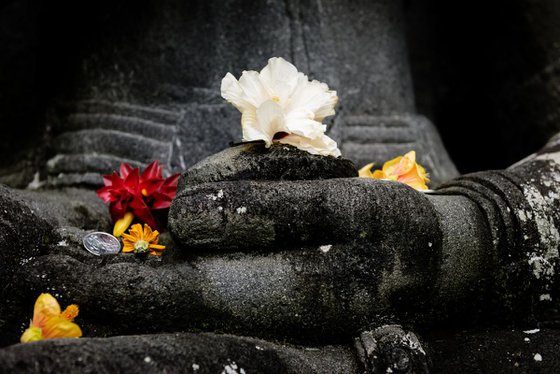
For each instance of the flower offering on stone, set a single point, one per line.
(142, 240)
(280, 104)
(132, 195)
(49, 322)
(402, 169)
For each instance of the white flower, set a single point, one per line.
(280, 104)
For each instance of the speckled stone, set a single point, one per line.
(174, 353)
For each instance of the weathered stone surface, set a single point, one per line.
(304, 295)
(30, 223)
(24, 237)
(71, 207)
(495, 351)
(138, 147)
(521, 206)
(267, 214)
(310, 261)
(175, 113)
(94, 137)
(369, 138)
(253, 161)
(174, 353)
(390, 349)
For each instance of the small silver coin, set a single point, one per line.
(100, 243)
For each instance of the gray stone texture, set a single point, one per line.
(175, 353)
(172, 110)
(389, 348)
(494, 351)
(497, 244)
(309, 261)
(274, 243)
(256, 162)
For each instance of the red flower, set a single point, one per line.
(139, 194)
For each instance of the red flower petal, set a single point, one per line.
(161, 201)
(107, 180)
(106, 194)
(149, 187)
(125, 169)
(172, 180)
(152, 171)
(132, 182)
(118, 209)
(139, 194)
(142, 212)
(116, 180)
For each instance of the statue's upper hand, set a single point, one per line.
(311, 200)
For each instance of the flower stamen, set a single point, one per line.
(280, 135)
(141, 246)
(70, 312)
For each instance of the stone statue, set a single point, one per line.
(272, 244)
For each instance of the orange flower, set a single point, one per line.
(402, 169)
(140, 240)
(49, 322)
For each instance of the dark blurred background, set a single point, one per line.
(485, 72)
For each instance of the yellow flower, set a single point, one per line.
(402, 169)
(140, 240)
(49, 322)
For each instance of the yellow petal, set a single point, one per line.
(153, 237)
(379, 174)
(136, 231)
(365, 172)
(411, 156)
(391, 165)
(46, 307)
(422, 172)
(404, 166)
(414, 179)
(31, 334)
(147, 233)
(128, 237)
(122, 224)
(128, 247)
(156, 246)
(58, 327)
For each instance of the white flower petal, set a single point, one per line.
(280, 78)
(251, 129)
(301, 122)
(314, 96)
(232, 92)
(266, 122)
(253, 88)
(323, 145)
(281, 100)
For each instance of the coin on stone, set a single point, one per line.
(100, 243)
